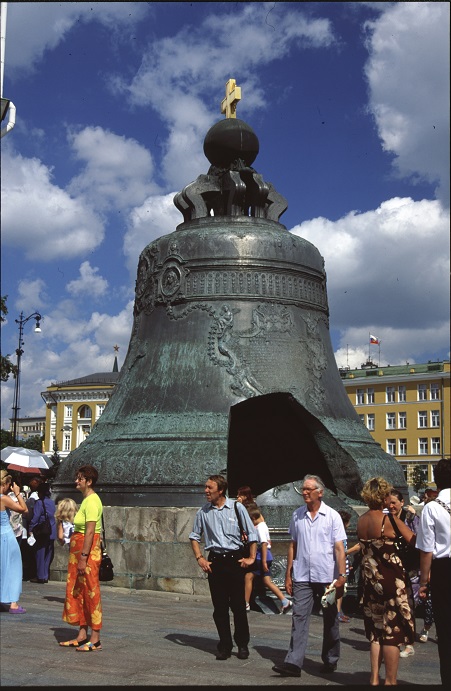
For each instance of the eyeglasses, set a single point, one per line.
(309, 489)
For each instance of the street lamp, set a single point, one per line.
(19, 352)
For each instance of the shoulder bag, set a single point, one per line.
(43, 529)
(243, 534)
(409, 556)
(106, 570)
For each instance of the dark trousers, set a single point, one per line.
(44, 557)
(303, 599)
(226, 582)
(28, 560)
(441, 606)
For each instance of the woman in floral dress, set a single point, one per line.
(388, 616)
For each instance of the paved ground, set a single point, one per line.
(163, 639)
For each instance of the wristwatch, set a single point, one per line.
(343, 575)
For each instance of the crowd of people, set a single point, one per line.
(404, 560)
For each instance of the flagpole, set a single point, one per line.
(369, 346)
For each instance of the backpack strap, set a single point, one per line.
(442, 503)
(243, 534)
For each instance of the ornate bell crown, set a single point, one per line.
(231, 187)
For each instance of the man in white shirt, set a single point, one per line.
(434, 543)
(316, 556)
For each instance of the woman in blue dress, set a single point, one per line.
(10, 557)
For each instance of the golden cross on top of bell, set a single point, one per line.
(230, 102)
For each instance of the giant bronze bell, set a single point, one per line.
(230, 366)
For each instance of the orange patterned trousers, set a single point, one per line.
(83, 605)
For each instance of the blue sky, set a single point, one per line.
(350, 102)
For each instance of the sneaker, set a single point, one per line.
(286, 608)
(248, 607)
(424, 636)
(407, 652)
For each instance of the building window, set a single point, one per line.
(100, 409)
(68, 411)
(370, 396)
(435, 418)
(370, 422)
(66, 442)
(391, 446)
(422, 418)
(391, 421)
(359, 397)
(422, 392)
(389, 394)
(435, 445)
(402, 447)
(402, 420)
(401, 394)
(435, 392)
(422, 446)
(84, 412)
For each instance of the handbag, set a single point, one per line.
(243, 535)
(410, 556)
(106, 570)
(43, 529)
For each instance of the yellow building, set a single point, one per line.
(73, 407)
(407, 410)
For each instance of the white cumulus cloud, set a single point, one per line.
(408, 74)
(89, 283)
(39, 217)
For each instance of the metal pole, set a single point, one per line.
(16, 406)
(4, 7)
(19, 352)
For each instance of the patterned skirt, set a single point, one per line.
(83, 605)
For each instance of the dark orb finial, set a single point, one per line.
(230, 140)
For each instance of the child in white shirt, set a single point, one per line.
(65, 512)
(263, 561)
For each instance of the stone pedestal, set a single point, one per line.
(150, 550)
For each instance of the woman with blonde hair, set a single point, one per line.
(64, 515)
(10, 557)
(386, 595)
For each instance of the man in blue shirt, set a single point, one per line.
(316, 557)
(226, 565)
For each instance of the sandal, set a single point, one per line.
(343, 618)
(73, 644)
(90, 647)
(17, 610)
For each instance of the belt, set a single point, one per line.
(224, 555)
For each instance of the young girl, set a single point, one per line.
(263, 563)
(65, 512)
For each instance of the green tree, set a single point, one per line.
(6, 366)
(6, 438)
(56, 460)
(32, 443)
(418, 479)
